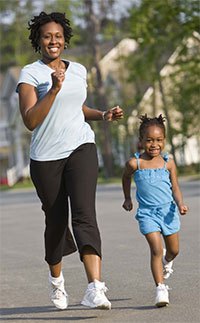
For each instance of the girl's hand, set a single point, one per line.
(113, 114)
(57, 79)
(183, 209)
(128, 205)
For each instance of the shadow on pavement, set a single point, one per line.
(39, 309)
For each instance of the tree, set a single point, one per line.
(94, 27)
(14, 33)
(184, 88)
(159, 27)
(93, 23)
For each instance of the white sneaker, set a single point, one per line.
(95, 297)
(167, 266)
(162, 295)
(58, 294)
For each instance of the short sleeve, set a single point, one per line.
(27, 77)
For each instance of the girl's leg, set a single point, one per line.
(172, 246)
(155, 243)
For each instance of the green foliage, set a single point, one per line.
(160, 27)
(184, 91)
(15, 14)
(15, 46)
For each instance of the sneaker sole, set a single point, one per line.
(166, 276)
(60, 307)
(162, 304)
(102, 307)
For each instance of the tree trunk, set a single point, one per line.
(105, 136)
(169, 127)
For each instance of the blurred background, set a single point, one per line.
(143, 55)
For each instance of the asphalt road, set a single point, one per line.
(24, 274)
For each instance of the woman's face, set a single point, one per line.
(52, 41)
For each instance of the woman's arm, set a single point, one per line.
(34, 111)
(175, 188)
(109, 115)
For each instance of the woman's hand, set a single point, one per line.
(113, 114)
(57, 79)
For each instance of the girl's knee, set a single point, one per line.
(157, 252)
(174, 252)
(171, 254)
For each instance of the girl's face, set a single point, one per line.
(153, 141)
(52, 41)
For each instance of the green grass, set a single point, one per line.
(27, 183)
(192, 171)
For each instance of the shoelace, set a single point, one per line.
(101, 288)
(167, 269)
(104, 288)
(164, 287)
(167, 287)
(57, 293)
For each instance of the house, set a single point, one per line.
(152, 104)
(14, 137)
(114, 72)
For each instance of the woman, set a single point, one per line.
(63, 155)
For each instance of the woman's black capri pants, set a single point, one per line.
(74, 177)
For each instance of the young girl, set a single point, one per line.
(157, 192)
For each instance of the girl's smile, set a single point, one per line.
(153, 141)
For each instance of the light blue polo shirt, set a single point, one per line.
(64, 128)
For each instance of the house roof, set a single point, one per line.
(15, 71)
(110, 62)
(169, 67)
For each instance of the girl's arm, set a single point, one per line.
(126, 184)
(176, 189)
(109, 115)
(34, 111)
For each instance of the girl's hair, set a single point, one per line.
(148, 122)
(37, 21)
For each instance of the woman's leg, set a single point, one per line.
(92, 264)
(55, 270)
(80, 180)
(155, 243)
(47, 178)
